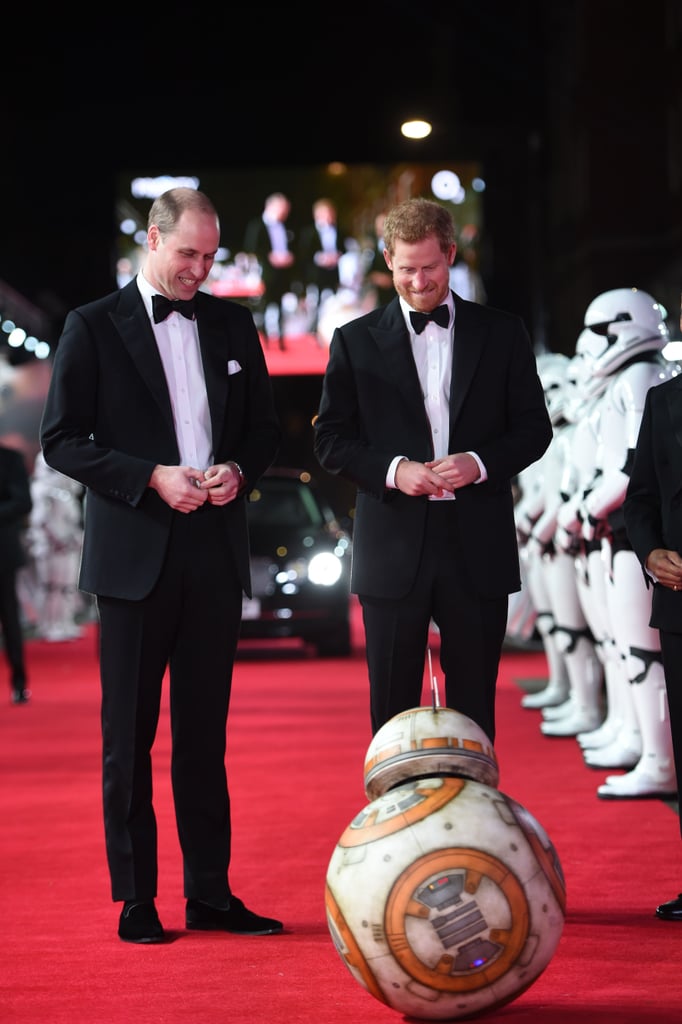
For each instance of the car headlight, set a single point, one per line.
(325, 569)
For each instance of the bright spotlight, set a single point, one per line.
(446, 185)
(415, 129)
(16, 338)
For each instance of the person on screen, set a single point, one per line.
(269, 238)
(431, 406)
(378, 278)
(160, 404)
(321, 246)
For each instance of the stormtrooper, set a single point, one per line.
(584, 706)
(583, 411)
(624, 338)
(529, 608)
(54, 539)
(570, 700)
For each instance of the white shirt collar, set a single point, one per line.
(146, 291)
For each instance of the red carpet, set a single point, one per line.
(298, 736)
(303, 355)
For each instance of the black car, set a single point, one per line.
(300, 565)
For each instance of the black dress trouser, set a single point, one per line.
(189, 624)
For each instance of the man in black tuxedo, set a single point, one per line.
(160, 404)
(15, 506)
(653, 521)
(431, 405)
(378, 278)
(321, 246)
(269, 238)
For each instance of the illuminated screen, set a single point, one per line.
(359, 193)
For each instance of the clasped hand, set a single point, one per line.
(185, 488)
(437, 476)
(666, 567)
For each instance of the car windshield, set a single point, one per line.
(283, 503)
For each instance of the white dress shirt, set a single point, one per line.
(279, 241)
(177, 339)
(432, 351)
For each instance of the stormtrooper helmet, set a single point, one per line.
(583, 362)
(578, 391)
(552, 369)
(620, 324)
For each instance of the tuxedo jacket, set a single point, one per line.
(257, 241)
(377, 264)
(107, 422)
(310, 243)
(653, 502)
(372, 409)
(15, 506)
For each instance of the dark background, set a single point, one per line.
(572, 109)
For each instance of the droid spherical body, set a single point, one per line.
(445, 898)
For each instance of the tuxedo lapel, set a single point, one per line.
(135, 331)
(393, 344)
(673, 398)
(214, 361)
(466, 354)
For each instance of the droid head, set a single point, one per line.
(423, 742)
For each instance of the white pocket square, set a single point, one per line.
(233, 366)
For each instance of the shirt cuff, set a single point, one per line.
(390, 475)
(482, 470)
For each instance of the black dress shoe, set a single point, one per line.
(235, 919)
(139, 922)
(21, 696)
(672, 910)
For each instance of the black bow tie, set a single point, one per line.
(163, 307)
(441, 315)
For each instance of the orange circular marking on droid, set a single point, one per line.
(402, 903)
(371, 824)
(350, 952)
